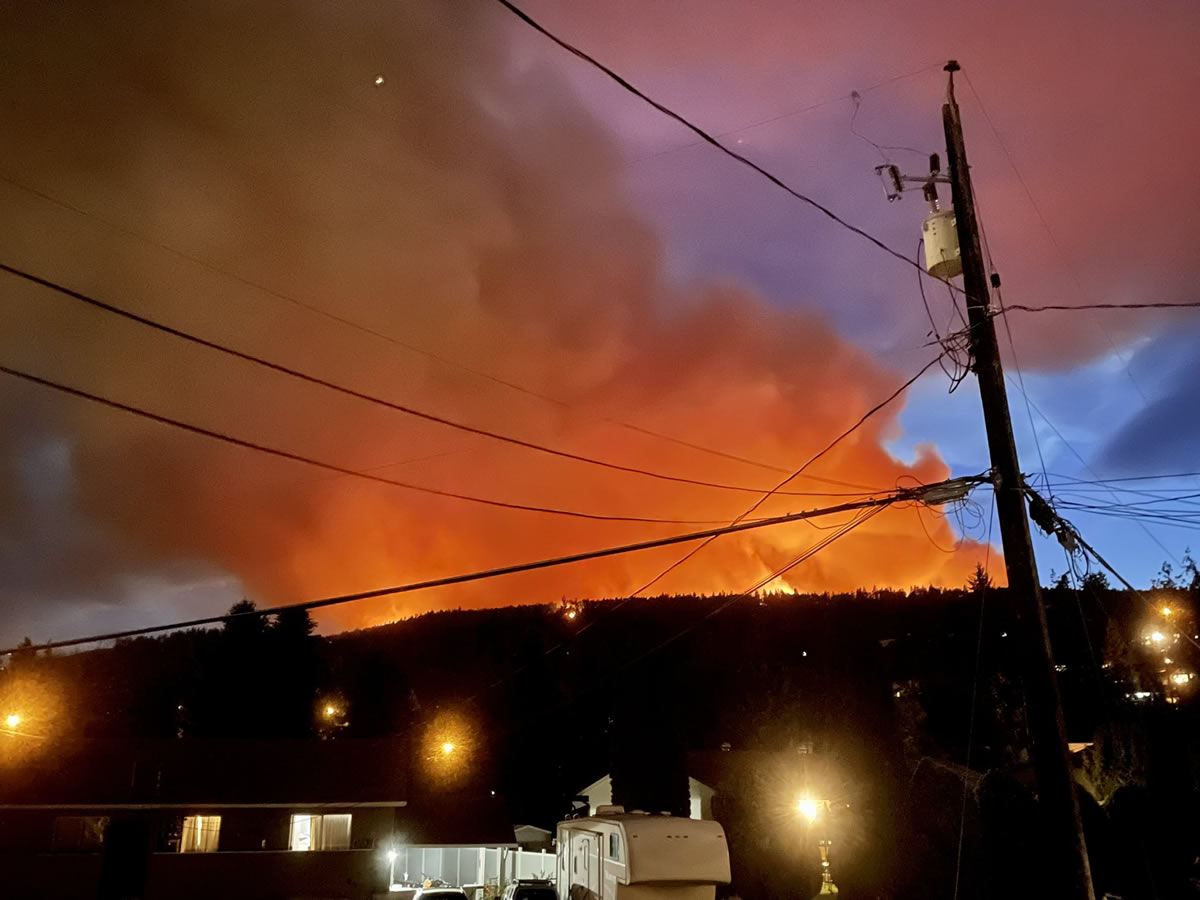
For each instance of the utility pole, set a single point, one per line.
(1065, 852)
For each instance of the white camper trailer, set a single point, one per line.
(615, 855)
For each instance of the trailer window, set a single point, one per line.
(614, 846)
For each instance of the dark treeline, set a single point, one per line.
(867, 694)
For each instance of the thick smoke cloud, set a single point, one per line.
(467, 205)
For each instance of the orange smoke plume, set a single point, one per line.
(466, 206)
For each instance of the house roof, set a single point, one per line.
(199, 772)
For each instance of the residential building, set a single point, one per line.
(235, 819)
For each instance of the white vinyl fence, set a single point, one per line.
(489, 867)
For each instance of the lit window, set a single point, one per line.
(331, 832)
(201, 834)
(614, 846)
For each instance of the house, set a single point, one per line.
(599, 793)
(236, 818)
(530, 837)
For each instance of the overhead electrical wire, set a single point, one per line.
(332, 467)
(630, 597)
(1083, 462)
(1012, 345)
(1133, 478)
(881, 149)
(706, 136)
(749, 126)
(828, 447)
(349, 323)
(368, 398)
(1063, 307)
(894, 497)
(726, 604)
(956, 344)
(1062, 255)
(977, 669)
(1160, 518)
(803, 556)
(1049, 520)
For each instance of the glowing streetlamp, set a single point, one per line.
(13, 720)
(391, 858)
(810, 809)
(447, 748)
(1166, 610)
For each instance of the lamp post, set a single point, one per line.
(812, 809)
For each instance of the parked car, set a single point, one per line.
(530, 889)
(440, 893)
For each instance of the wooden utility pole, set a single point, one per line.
(1064, 850)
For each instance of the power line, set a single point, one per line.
(1020, 383)
(735, 523)
(1132, 478)
(837, 440)
(1063, 307)
(881, 149)
(1012, 345)
(792, 113)
(360, 395)
(349, 323)
(904, 494)
(1062, 255)
(1083, 462)
(822, 544)
(1165, 519)
(1069, 536)
(704, 135)
(962, 812)
(761, 583)
(296, 457)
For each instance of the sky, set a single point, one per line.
(431, 203)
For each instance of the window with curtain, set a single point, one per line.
(335, 832)
(201, 834)
(327, 832)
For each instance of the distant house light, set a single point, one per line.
(201, 834)
(326, 832)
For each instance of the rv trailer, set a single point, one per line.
(615, 855)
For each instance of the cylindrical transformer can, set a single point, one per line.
(943, 259)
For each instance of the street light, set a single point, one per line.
(808, 808)
(447, 748)
(811, 808)
(13, 720)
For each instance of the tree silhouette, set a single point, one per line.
(980, 580)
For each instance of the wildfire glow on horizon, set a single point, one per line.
(503, 258)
